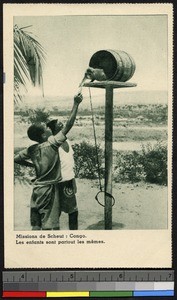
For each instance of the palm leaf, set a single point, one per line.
(29, 60)
(17, 94)
(36, 60)
(20, 66)
(31, 49)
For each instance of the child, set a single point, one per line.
(67, 186)
(45, 159)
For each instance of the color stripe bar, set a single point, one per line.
(67, 294)
(161, 286)
(111, 294)
(15, 294)
(152, 293)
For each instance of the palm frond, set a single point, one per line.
(26, 27)
(17, 93)
(29, 58)
(20, 66)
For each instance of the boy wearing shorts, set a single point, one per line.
(44, 156)
(67, 185)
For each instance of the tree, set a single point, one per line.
(29, 59)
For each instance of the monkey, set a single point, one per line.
(93, 74)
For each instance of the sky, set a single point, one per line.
(70, 41)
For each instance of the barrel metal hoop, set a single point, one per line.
(120, 68)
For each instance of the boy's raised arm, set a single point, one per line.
(72, 117)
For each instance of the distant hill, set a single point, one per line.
(120, 98)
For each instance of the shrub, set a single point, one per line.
(38, 115)
(155, 163)
(150, 165)
(128, 167)
(86, 165)
(23, 174)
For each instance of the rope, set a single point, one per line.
(97, 158)
(95, 139)
(107, 194)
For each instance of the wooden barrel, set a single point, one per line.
(117, 65)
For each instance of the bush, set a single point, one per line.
(150, 165)
(155, 163)
(128, 167)
(23, 174)
(86, 165)
(38, 115)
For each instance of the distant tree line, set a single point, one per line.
(155, 113)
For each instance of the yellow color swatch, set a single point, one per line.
(67, 294)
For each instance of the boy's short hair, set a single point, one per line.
(35, 131)
(51, 124)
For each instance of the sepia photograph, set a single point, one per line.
(53, 54)
(88, 134)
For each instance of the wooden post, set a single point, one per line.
(108, 155)
(109, 86)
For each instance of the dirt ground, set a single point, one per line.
(137, 206)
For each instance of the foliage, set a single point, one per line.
(128, 167)
(38, 115)
(85, 157)
(155, 163)
(156, 113)
(23, 174)
(150, 165)
(138, 113)
(29, 58)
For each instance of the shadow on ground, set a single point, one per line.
(100, 226)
